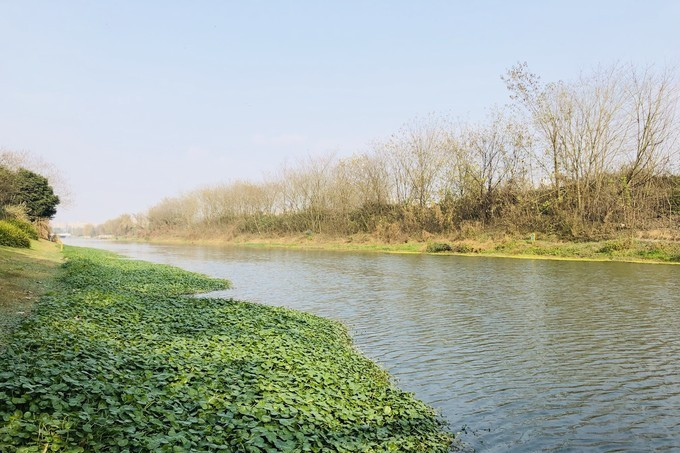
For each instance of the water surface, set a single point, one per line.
(518, 355)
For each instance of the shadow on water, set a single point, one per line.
(518, 355)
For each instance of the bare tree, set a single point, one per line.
(417, 154)
(493, 158)
(653, 101)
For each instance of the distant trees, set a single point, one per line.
(88, 230)
(493, 158)
(577, 159)
(607, 140)
(415, 158)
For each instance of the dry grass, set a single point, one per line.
(665, 234)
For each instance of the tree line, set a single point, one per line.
(580, 159)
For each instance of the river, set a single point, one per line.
(518, 355)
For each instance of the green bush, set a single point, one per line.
(12, 236)
(26, 227)
(437, 247)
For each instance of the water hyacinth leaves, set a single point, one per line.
(118, 360)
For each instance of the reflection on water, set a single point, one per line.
(522, 355)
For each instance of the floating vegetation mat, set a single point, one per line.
(118, 359)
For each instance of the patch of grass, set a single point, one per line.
(506, 246)
(12, 236)
(116, 359)
(564, 251)
(25, 274)
(654, 251)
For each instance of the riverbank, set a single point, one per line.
(119, 358)
(630, 250)
(25, 275)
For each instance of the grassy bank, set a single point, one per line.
(635, 250)
(25, 274)
(116, 358)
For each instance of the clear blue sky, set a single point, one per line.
(135, 101)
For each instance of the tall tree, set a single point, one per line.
(35, 192)
(8, 186)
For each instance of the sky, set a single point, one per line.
(137, 101)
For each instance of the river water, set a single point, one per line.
(517, 355)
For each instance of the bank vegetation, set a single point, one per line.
(591, 159)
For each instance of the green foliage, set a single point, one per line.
(437, 247)
(653, 252)
(26, 227)
(12, 236)
(35, 192)
(8, 185)
(118, 360)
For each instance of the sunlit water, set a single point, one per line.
(518, 355)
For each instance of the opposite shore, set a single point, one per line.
(627, 250)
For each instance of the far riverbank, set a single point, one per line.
(628, 250)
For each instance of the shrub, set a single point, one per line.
(390, 232)
(12, 236)
(436, 247)
(26, 227)
(615, 246)
(463, 248)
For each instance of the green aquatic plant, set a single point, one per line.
(118, 359)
